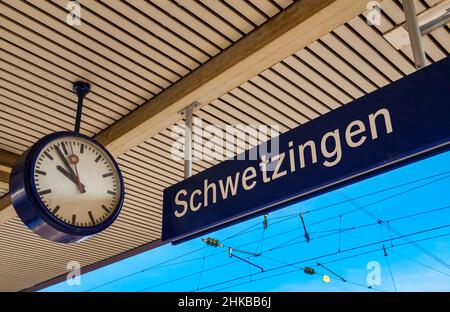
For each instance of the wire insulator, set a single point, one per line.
(309, 270)
(212, 242)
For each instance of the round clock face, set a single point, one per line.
(77, 181)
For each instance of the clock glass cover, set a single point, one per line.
(66, 187)
(76, 181)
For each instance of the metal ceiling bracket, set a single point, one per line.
(434, 17)
(188, 117)
(429, 20)
(415, 36)
(80, 88)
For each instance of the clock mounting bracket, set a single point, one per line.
(29, 200)
(81, 88)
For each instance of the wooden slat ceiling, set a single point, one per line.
(3, 191)
(130, 51)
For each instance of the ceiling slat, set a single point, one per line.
(131, 50)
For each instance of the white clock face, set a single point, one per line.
(77, 181)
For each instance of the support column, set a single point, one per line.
(188, 113)
(415, 36)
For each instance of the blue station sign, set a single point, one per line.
(397, 124)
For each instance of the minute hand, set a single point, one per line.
(70, 177)
(64, 160)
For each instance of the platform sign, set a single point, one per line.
(390, 127)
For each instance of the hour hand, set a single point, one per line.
(65, 162)
(70, 177)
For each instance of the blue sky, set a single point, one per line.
(414, 260)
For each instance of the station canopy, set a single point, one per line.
(270, 62)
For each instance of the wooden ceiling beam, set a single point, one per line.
(4, 179)
(7, 211)
(7, 160)
(288, 32)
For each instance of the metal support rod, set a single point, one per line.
(321, 265)
(246, 261)
(385, 251)
(81, 88)
(435, 17)
(415, 36)
(230, 252)
(188, 112)
(304, 229)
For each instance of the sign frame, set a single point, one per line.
(424, 91)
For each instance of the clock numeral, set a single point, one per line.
(48, 155)
(55, 210)
(81, 148)
(106, 209)
(109, 174)
(40, 172)
(98, 158)
(111, 193)
(91, 217)
(74, 217)
(45, 192)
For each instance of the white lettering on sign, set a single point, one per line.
(330, 148)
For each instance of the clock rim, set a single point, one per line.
(35, 203)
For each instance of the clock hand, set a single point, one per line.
(65, 173)
(74, 160)
(70, 177)
(64, 160)
(69, 168)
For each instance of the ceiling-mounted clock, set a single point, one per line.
(67, 186)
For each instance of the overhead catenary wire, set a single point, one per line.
(297, 262)
(384, 199)
(386, 255)
(294, 215)
(167, 262)
(332, 272)
(340, 231)
(362, 208)
(420, 263)
(242, 232)
(145, 269)
(335, 231)
(327, 255)
(372, 203)
(340, 259)
(188, 275)
(200, 275)
(292, 271)
(284, 273)
(390, 228)
(427, 252)
(444, 173)
(390, 272)
(336, 260)
(357, 227)
(401, 255)
(278, 247)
